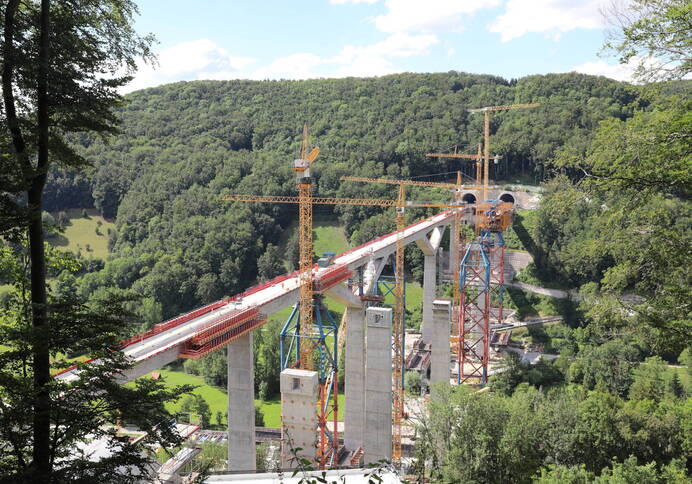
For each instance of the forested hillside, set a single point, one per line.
(184, 144)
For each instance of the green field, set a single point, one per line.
(217, 398)
(328, 236)
(80, 234)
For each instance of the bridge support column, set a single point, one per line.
(378, 385)
(354, 397)
(440, 356)
(429, 290)
(241, 405)
(299, 390)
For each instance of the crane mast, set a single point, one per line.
(301, 167)
(486, 136)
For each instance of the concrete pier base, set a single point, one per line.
(241, 405)
(354, 393)
(429, 290)
(378, 385)
(440, 354)
(299, 391)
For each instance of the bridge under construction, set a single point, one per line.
(456, 331)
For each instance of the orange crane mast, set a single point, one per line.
(302, 167)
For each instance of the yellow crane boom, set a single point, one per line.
(477, 157)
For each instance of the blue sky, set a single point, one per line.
(298, 39)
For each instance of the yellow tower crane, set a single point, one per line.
(301, 167)
(477, 158)
(486, 133)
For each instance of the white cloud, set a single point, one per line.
(197, 59)
(428, 15)
(551, 17)
(203, 59)
(294, 66)
(341, 2)
(374, 60)
(619, 72)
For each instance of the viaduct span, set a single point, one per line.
(230, 322)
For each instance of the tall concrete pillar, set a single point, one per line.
(378, 385)
(354, 393)
(429, 290)
(299, 389)
(241, 405)
(440, 357)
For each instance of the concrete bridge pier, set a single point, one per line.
(429, 245)
(378, 385)
(439, 351)
(241, 405)
(354, 393)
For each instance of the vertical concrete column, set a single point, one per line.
(378, 385)
(440, 357)
(299, 390)
(354, 393)
(241, 404)
(429, 290)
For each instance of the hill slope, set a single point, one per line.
(183, 145)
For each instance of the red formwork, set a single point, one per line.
(330, 277)
(171, 323)
(195, 352)
(215, 328)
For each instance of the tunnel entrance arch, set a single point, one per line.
(469, 198)
(507, 197)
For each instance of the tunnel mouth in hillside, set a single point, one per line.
(469, 198)
(506, 197)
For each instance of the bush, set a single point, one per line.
(259, 417)
(413, 382)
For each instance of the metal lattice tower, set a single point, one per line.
(321, 344)
(474, 321)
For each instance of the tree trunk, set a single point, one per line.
(39, 298)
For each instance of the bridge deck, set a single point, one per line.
(152, 350)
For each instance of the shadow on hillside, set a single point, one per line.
(58, 240)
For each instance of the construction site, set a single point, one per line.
(457, 343)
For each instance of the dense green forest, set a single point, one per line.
(183, 145)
